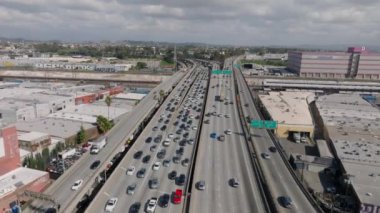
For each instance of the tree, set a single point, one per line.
(81, 136)
(141, 65)
(108, 101)
(103, 124)
(162, 94)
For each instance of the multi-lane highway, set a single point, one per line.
(176, 121)
(220, 160)
(277, 175)
(61, 191)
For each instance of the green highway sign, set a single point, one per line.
(259, 124)
(270, 124)
(222, 72)
(236, 65)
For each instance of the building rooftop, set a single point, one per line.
(118, 103)
(288, 107)
(96, 110)
(15, 104)
(42, 97)
(353, 126)
(31, 136)
(61, 128)
(21, 176)
(130, 96)
(74, 117)
(17, 91)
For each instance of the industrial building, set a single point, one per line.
(34, 141)
(352, 130)
(291, 111)
(357, 63)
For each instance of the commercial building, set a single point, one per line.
(352, 130)
(357, 62)
(291, 111)
(9, 151)
(34, 141)
(131, 96)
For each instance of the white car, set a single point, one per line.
(152, 203)
(265, 155)
(156, 166)
(131, 170)
(228, 132)
(77, 185)
(111, 203)
(166, 142)
(171, 135)
(194, 127)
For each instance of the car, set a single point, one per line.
(161, 154)
(156, 166)
(77, 184)
(220, 115)
(227, 116)
(176, 139)
(111, 203)
(154, 183)
(176, 159)
(186, 135)
(272, 149)
(181, 150)
(146, 159)
(171, 135)
(166, 142)
(172, 175)
(167, 121)
(190, 141)
(148, 139)
(180, 131)
(166, 163)
(286, 202)
(131, 170)
(163, 128)
(246, 105)
(194, 128)
(138, 155)
(164, 200)
(265, 155)
(155, 128)
(221, 138)
(158, 139)
(234, 182)
(151, 205)
(177, 196)
(160, 120)
(213, 135)
(141, 173)
(228, 132)
(201, 185)
(153, 148)
(135, 208)
(131, 189)
(181, 179)
(185, 162)
(95, 164)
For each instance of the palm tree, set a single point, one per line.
(108, 101)
(162, 93)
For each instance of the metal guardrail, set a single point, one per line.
(253, 155)
(313, 202)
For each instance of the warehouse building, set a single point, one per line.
(352, 129)
(291, 111)
(34, 141)
(357, 62)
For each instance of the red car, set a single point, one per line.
(177, 196)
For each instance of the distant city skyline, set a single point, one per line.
(241, 22)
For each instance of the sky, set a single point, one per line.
(235, 22)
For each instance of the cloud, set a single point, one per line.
(241, 22)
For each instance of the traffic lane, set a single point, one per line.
(104, 199)
(165, 173)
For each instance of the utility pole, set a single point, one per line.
(175, 58)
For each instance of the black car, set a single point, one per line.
(272, 149)
(158, 139)
(160, 120)
(176, 159)
(138, 155)
(172, 175)
(163, 128)
(155, 128)
(161, 154)
(83, 203)
(153, 148)
(148, 140)
(286, 202)
(180, 181)
(146, 159)
(135, 207)
(95, 164)
(164, 200)
(141, 173)
(167, 121)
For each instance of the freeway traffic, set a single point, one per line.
(224, 179)
(169, 141)
(280, 181)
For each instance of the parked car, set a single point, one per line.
(95, 164)
(177, 196)
(151, 206)
(131, 189)
(131, 170)
(201, 185)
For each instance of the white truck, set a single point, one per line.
(97, 145)
(297, 137)
(64, 154)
